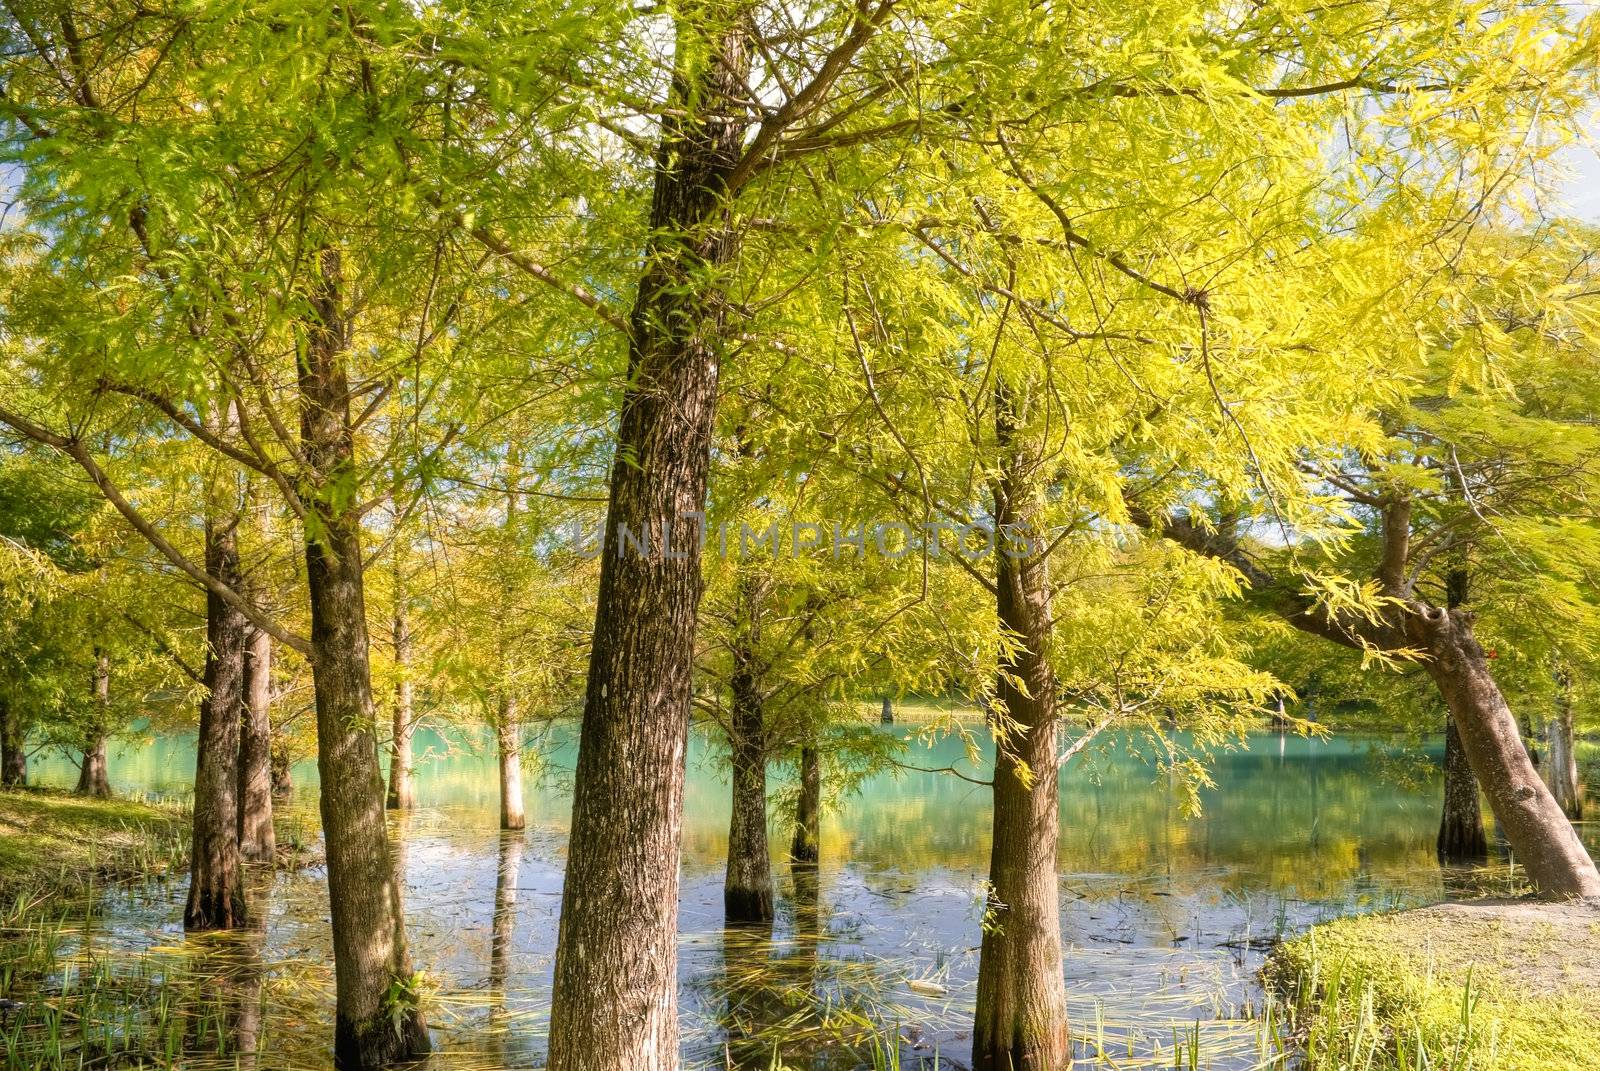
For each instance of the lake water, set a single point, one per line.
(1165, 916)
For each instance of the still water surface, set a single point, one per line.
(1165, 916)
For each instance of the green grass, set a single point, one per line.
(1477, 988)
(64, 843)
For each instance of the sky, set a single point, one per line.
(1582, 192)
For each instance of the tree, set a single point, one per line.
(789, 636)
(1467, 471)
(258, 840)
(96, 637)
(39, 549)
(216, 892)
(403, 723)
(238, 300)
(1143, 330)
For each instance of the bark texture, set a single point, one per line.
(258, 843)
(216, 883)
(1544, 841)
(1461, 837)
(508, 730)
(805, 846)
(402, 793)
(1561, 743)
(747, 884)
(614, 1005)
(13, 747)
(747, 881)
(369, 946)
(1020, 1023)
(93, 776)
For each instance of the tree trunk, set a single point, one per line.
(508, 733)
(216, 883)
(1563, 765)
(1020, 1023)
(282, 767)
(747, 886)
(747, 883)
(805, 847)
(614, 1004)
(1540, 835)
(1530, 741)
(402, 793)
(886, 713)
(377, 1022)
(13, 748)
(1461, 838)
(93, 777)
(258, 843)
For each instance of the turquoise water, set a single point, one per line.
(1166, 914)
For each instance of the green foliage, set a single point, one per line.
(1264, 266)
(73, 587)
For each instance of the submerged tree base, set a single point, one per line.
(747, 907)
(380, 1043)
(1504, 984)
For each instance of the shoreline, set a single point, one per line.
(57, 843)
(1509, 985)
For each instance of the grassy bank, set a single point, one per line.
(58, 843)
(1490, 985)
(921, 710)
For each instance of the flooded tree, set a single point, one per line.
(1021, 1016)
(508, 753)
(402, 724)
(93, 775)
(317, 345)
(258, 841)
(370, 951)
(805, 844)
(747, 888)
(1562, 742)
(216, 885)
(1461, 837)
(619, 903)
(788, 634)
(508, 715)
